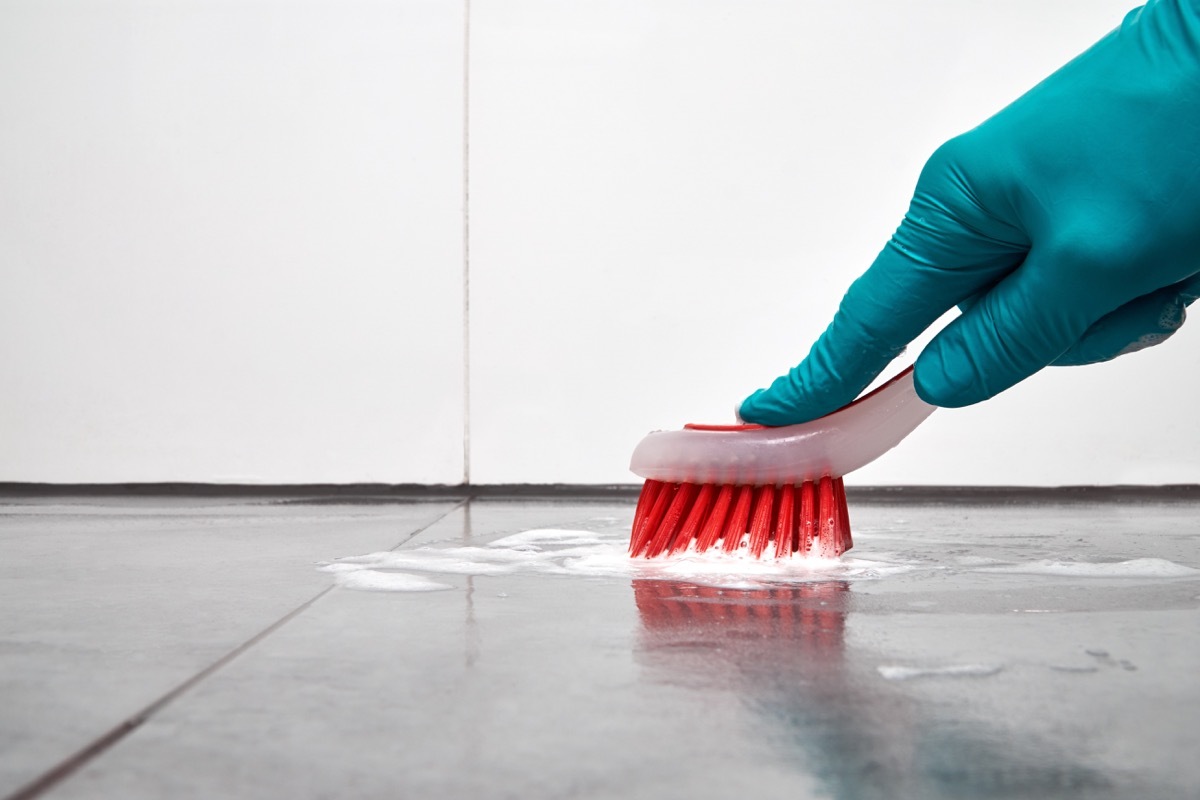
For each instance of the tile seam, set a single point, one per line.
(81, 758)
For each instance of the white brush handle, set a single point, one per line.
(833, 445)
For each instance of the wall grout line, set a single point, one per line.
(81, 758)
(466, 235)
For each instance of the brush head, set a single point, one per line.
(765, 488)
(793, 520)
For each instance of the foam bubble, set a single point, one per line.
(1136, 568)
(899, 673)
(552, 536)
(977, 561)
(373, 581)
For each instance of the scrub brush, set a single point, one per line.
(751, 486)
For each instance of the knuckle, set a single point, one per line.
(952, 156)
(1102, 257)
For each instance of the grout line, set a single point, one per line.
(80, 759)
(72, 764)
(466, 235)
(460, 504)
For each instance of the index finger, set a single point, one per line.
(933, 262)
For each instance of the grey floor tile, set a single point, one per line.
(107, 605)
(966, 674)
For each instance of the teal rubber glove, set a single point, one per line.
(1066, 228)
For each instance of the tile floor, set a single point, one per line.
(179, 648)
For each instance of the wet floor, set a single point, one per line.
(257, 648)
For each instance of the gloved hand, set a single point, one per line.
(1066, 228)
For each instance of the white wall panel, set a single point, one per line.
(230, 241)
(669, 198)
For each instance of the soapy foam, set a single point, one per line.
(899, 673)
(604, 554)
(1137, 568)
(537, 537)
(373, 581)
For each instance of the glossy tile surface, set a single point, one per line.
(105, 606)
(967, 654)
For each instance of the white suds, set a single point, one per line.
(1137, 568)
(604, 554)
(899, 673)
(373, 581)
(592, 554)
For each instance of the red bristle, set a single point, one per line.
(785, 522)
(646, 499)
(669, 525)
(650, 492)
(843, 517)
(827, 537)
(808, 517)
(695, 519)
(760, 519)
(735, 528)
(715, 524)
(651, 523)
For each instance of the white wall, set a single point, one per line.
(232, 234)
(230, 241)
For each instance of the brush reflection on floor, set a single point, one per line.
(785, 648)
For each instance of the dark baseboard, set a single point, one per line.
(1014, 495)
(383, 492)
